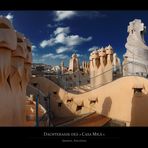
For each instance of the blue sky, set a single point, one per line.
(55, 35)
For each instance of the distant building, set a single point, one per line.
(39, 69)
(56, 69)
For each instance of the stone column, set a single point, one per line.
(16, 76)
(8, 43)
(27, 65)
(91, 69)
(94, 65)
(101, 78)
(108, 68)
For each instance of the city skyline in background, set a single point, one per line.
(56, 35)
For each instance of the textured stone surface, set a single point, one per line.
(102, 63)
(137, 51)
(14, 77)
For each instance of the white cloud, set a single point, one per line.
(9, 16)
(49, 25)
(93, 48)
(62, 49)
(33, 48)
(61, 15)
(47, 55)
(61, 37)
(79, 55)
(63, 42)
(54, 56)
(71, 40)
(75, 40)
(59, 30)
(45, 43)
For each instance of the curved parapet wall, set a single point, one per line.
(13, 52)
(126, 100)
(137, 50)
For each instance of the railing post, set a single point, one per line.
(37, 103)
(47, 101)
(49, 111)
(79, 80)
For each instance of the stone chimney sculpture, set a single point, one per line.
(109, 64)
(94, 65)
(16, 76)
(101, 66)
(85, 66)
(27, 64)
(8, 43)
(136, 56)
(12, 66)
(74, 63)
